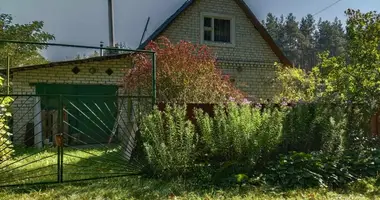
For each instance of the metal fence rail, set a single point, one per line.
(62, 138)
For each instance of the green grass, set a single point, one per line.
(139, 188)
(95, 163)
(40, 165)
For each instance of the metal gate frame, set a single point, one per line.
(129, 107)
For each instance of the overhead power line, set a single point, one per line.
(324, 9)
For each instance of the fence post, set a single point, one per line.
(59, 140)
(154, 78)
(8, 73)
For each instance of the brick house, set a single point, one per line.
(242, 45)
(243, 48)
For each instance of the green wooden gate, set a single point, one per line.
(90, 109)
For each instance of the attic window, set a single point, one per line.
(217, 29)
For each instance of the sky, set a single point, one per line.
(85, 22)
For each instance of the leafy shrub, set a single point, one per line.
(317, 169)
(361, 186)
(186, 72)
(296, 84)
(314, 127)
(296, 170)
(365, 163)
(6, 147)
(302, 170)
(169, 140)
(240, 133)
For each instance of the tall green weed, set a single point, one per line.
(169, 140)
(240, 133)
(314, 127)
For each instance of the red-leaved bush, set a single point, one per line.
(186, 73)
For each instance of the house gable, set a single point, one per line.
(249, 39)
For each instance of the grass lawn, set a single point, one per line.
(138, 188)
(40, 165)
(33, 165)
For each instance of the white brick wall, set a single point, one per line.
(250, 47)
(254, 79)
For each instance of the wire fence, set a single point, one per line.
(79, 138)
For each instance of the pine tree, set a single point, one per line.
(302, 41)
(272, 25)
(338, 38)
(307, 29)
(292, 39)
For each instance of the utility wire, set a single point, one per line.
(331, 5)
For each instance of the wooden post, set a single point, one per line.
(38, 141)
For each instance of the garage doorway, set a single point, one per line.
(89, 111)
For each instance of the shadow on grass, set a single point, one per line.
(101, 164)
(33, 166)
(126, 188)
(137, 187)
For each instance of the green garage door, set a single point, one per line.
(92, 109)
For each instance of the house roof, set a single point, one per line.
(252, 17)
(69, 62)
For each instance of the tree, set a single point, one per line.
(22, 54)
(338, 38)
(330, 37)
(355, 76)
(185, 73)
(307, 43)
(297, 85)
(273, 26)
(351, 79)
(115, 51)
(307, 28)
(302, 41)
(84, 55)
(292, 38)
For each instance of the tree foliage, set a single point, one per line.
(352, 78)
(185, 73)
(356, 78)
(302, 40)
(22, 54)
(298, 85)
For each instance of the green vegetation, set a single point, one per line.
(303, 39)
(138, 187)
(306, 145)
(141, 188)
(6, 147)
(322, 141)
(169, 141)
(29, 166)
(22, 55)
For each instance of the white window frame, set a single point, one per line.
(218, 16)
